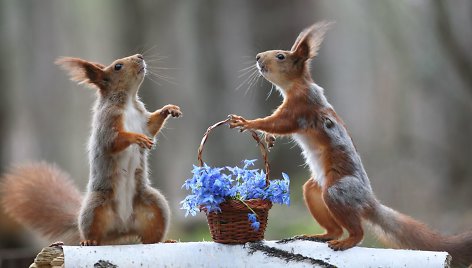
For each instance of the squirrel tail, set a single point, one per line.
(402, 231)
(44, 199)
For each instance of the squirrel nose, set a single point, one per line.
(139, 56)
(258, 57)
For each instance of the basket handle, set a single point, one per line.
(254, 135)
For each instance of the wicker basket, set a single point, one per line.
(231, 225)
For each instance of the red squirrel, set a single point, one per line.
(119, 201)
(338, 194)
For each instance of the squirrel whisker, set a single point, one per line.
(246, 80)
(148, 50)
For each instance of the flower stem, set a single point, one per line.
(242, 201)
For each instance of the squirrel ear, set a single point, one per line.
(82, 71)
(308, 42)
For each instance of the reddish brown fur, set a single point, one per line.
(150, 230)
(118, 89)
(157, 119)
(83, 71)
(284, 119)
(119, 195)
(124, 139)
(313, 196)
(99, 226)
(24, 185)
(329, 200)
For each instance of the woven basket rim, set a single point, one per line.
(235, 205)
(248, 201)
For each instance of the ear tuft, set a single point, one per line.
(309, 41)
(82, 71)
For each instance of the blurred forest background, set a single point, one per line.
(398, 72)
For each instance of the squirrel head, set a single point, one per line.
(124, 74)
(282, 67)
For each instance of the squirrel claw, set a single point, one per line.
(340, 244)
(88, 243)
(175, 114)
(172, 110)
(237, 121)
(144, 142)
(234, 117)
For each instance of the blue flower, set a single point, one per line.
(252, 217)
(256, 225)
(248, 163)
(210, 186)
(285, 176)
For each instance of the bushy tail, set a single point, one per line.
(44, 199)
(402, 231)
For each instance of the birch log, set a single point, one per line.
(295, 253)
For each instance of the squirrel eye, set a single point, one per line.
(329, 123)
(280, 56)
(118, 66)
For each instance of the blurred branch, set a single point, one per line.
(461, 60)
(459, 56)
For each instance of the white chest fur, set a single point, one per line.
(129, 160)
(312, 157)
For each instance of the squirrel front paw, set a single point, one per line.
(237, 121)
(143, 141)
(172, 110)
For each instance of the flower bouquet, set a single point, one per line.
(236, 200)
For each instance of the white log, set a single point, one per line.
(209, 254)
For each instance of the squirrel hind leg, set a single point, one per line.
(150, 227)
(312, 194)
(352, 223)
(349, 217)
(94, 220)
(152, 216)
